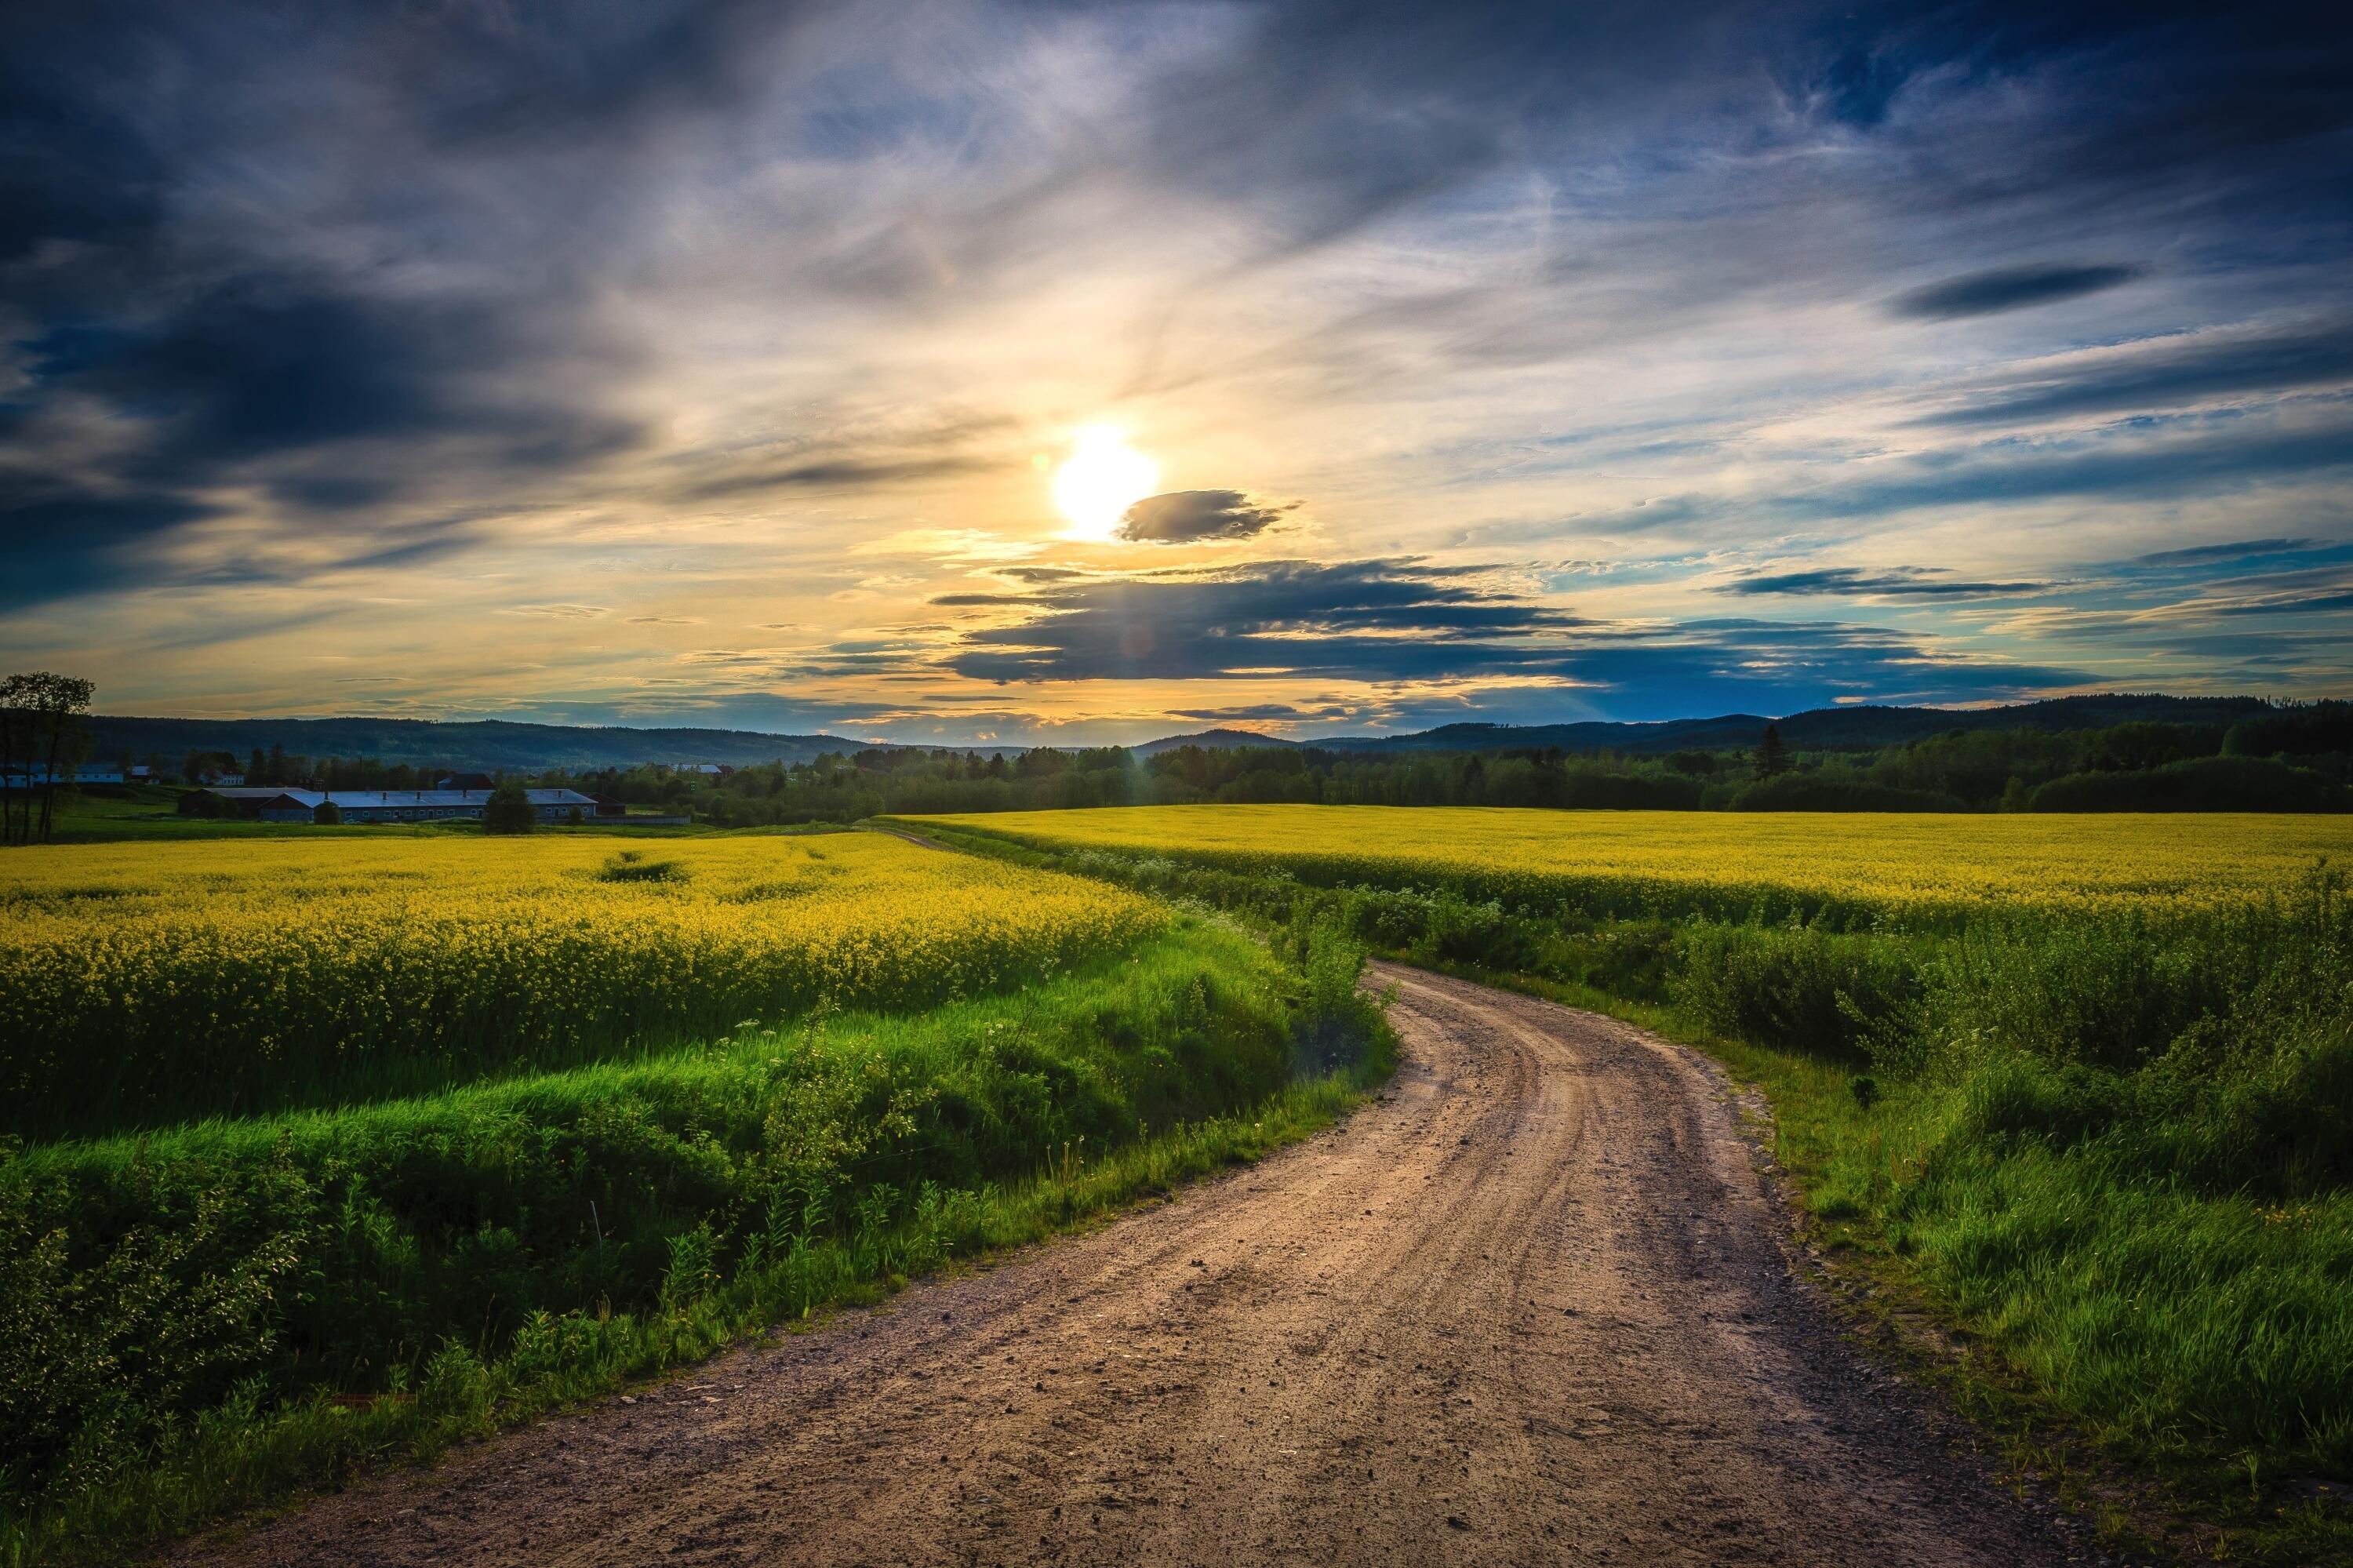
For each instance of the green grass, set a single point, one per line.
(183, 1308)
(2115, 1152)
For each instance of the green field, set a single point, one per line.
(330, 1146)
(329, 1150)
(1855, 867)
(2082, 1088)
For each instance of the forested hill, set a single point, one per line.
(1817, 729)
(496, 746)
(490, 745)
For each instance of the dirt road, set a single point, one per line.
(1531, 1308)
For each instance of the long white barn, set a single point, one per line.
(383, 805)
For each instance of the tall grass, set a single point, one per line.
(200, 1318)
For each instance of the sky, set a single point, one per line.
(1067, 373)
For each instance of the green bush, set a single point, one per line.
(1801, 988)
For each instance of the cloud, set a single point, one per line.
(1895, 582)
(1390, 618)
(1185, 516)
(2163, 373)
(1405, 621)
(559, 611)
(842, 474)
(2006, 288)
(63, 541)
(1287, 713)
(2236, 550)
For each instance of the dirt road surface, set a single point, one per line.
(1532, 1307)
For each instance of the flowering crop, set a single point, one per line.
(1851, 865)
(233, 975)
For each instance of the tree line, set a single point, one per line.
(2298, 759)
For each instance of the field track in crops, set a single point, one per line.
(1532, 1306)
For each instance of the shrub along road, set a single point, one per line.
(1534, 1305)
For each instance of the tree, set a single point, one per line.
(2014, 796)
(1772, 757)
(40, 733)
(327, 814)
(508, 810)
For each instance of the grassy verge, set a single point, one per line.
(200, 1320)
(2110, 1157)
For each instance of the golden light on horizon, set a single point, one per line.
(1103, 477)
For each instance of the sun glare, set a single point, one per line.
(1102, 477)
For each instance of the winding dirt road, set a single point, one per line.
(1532, 1307)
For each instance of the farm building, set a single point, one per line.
(375, 805)
(40, 778)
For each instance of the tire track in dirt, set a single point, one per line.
(1533, 1305)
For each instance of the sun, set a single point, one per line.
(1103, 477)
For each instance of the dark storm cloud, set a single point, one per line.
(69, 542)
(264, 251)
(1303, 617)
(1394, 620)
(2006, 288)
(271, 365)
(1185, 516)
(1899, 582)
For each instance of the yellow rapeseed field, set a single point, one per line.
(1730, 862)
(127, 968)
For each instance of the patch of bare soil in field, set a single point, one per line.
(1533, 1306)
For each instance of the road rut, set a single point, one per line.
(1531, 1307)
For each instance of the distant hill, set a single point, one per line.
(488, 744)
(500, 745)
(1817, 729)
(1209, 739)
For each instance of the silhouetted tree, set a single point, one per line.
(508, 810)
(40, 733)
(1772, 757)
